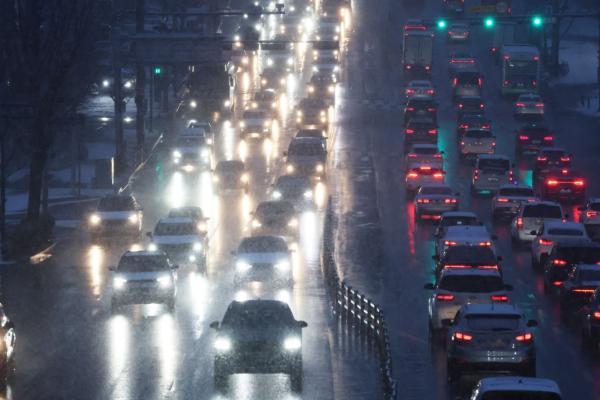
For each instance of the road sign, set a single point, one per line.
(481, 9)
(165, 49)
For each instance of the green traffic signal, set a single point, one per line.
(442, 24)
(537, 21)
(489, 22)
(157, 70)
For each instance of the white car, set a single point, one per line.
(551, 233)
(532, 216)
(529, 104)
(590, 213)
(116, 215)
(455, 218)
(433, 200)
(424, 154)
(255, 124)
(419, 88)
(477, 141)
(459, 235)
(516, 387)
(192, 153)
(490, 172)
(456, 287)
(181, 239)
(509, 198)
(423, 175)
(201, 129)
(263, 259)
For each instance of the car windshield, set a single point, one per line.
(470, 255)
(520, 192)
(229, 167)
(542, 211)
(175, 229)
(264, 96)
(507, 394)
(589, 275)
(565, 232)
(310, 133)
(262, 244)
(471, 283)
(290, 182)
(478, 133)
(185, 213)
(189, 141)
(274, 208)
(436, 190)
(494, 163)
(143, 263)
(579, 254)
(312, 103)
(493, 322)
(116, 203)
(257, 316)
(305, 149)
(462, 220)
(254, 114)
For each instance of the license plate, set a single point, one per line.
(565, 190)
(493, 179)
(535, 142)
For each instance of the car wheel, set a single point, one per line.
(296, 376)
(221, 377)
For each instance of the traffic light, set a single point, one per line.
(489, 22)
(442, 24)
(157, 70)
(537, 21)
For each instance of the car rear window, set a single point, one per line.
(589, 275)
(519, 395)
(494, 163)
(478, 133)
(565, 232)
(116, 203)
(542, 211)
(452, 221)
(595, 206)
(470, 255)
(536, 132)
(579, 254)
(471, 283)
(168, 229)
(425, 150)
(467, 78)
(493, 322)
(436, 190)
(516, 192)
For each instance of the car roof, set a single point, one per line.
(564, 224)
(467, 231)
(491, 308)
(307, 140)
(256, 303)
(588, 267)
(421, 120)
(175, 220)
(514, 383)
(469, 272)
(143, 253)
(552, 149)
(594, 200)
(420, 82)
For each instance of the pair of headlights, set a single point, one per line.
(224, 344)
(95, 219)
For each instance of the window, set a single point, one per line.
(493, 322)
(143, 263)
(522, 192)
(261, 244)
(542, 211)
(167, 229)
(471, 283)
(116, 203)
(565, 232)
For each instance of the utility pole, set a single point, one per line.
(120, 161)
(140, 84)
(598, 18)
(554, 59)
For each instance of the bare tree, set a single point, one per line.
(49, 61)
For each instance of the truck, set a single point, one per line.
(504, 33)
(417, 51)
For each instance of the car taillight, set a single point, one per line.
(460, 105)
(534, 83)
(408, 66)
(449, 243)
(427, 67)
(526, 337)
(438, 155)
(462, 143)
(485, 244)
(450, 201)
(548, 138)
(444, 297)
(482, 106)
(565, 159)
(412, 175)
(502, 200)
(479, 82)
(540, 105)
(432, 131)
(579, 290)
(591, 213)
(551, 182)
(409, 131)
(544, 242)
(499, 298)
(487, 267)
(430, 91)
(557, 283)
(431, 109)
(485, 126)
(578, 182)
(410, 91)
(542, 159)
(438, 175)
(412, 155)
(463, 337)
(457, 266)
(410, 109)
(519, 223)
(520, 104)
(523, 137)
(506, 83)
(559, 262)
(596, 314)
(425, 168)
(463, 126)
(423, 201)
(454, 82)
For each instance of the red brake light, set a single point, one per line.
(551, 182)
(526, 337)
(409, 131)
(485, 126)
(499, 298)
(444, 297)
(409, 91)
(520, 104)
(534, 83)
(591, 213)
(450, 201)
(430, 91)
(425, 168)
(523, 137)
(431, 109)
(579, 182)
(464, 337)
(519, 223)
(449, 243)
(542, 158)
(464, 126)
(545, 242)
(506, 82)
(454, 82)
(412, 155)
(597, 314)
(502, 200)
(479, 82)
(482, 105)
(460, 105)
(583, 290)
(438, 155)
(412, 175)
(548, 138)
(565, 159)
(540, 105)
(410, 109)
(423, 201)
(559, 262)
(432, 131)
(438, 175)
(427, 67)
(485, 244)
(536, 58)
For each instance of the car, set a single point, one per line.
(467, 84)
(181, 239)
(565, 185)
(266, 100)
(231, 175)
(590, 212)
(419, 88)
(420, 130)
(563, 257)
(320, 50)
(455, 218)
(531, 217)
(263, 259)
(423, 175)
(144, 277)
(314, 134)
(464, 235)
(490, 172)
(200, 128)
(470, 104)
(258, 336)
(414, 25)
(476, 141)
(590, 322)
(456, 287)
(306, 157)
(550, 158)
(531, 138)
(493, 337)
(296, 189)
(581, 284)
(453, 6)
(193, 212)
(424, 154)
(460, 61)
(471, 120)
(275, 217)
(322, 86)
(550, 233)
(8, 333)
(255, 124)
(327, 66)
(328, 29)
(116, 215)
(529, 105)
(458, 32)
(273, 78)
(467, 257)
(434, 199)
(519, 387)
(420, 107)
(312, 113)
(192, 154)
(509, 198)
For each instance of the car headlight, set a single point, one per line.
(95, 219)
(222, 344)
(245, 178)
(164, 281)
(176, 160)
(152, 247)
(242, 266)
(320, 168)
(204, 153)
(176, 154)
(322, 113)
(133, 218)
(331, 89)
(336, 68)
(209, 141)
(193, 104)
(308, 194)
(282, 265)
(311, 89)
(201, 227)
(242, 124)
(276, 194)
(290, 61)
(269, 62)
(105, 83)
(256, 223)
(263, 81)
(127, 85)
(227, 103)
(299, 113)
(315, 68)
(337, 29)
(215, 179)
(197, 246)
(266, 124)
(119, 282)
(289, 168)
(292, 343)
(293, 223)
(192, 258)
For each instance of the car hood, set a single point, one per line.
(304, 159)
(257, 258)
(175, 239)
(272, 334)
(115, 214)
(142, 276)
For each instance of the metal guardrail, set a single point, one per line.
(355, 308)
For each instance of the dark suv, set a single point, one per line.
(563, 257)
(531, 138)
(420, 107)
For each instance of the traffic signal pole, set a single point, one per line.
(140, 86)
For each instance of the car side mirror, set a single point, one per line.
(149, 234)
(533, 233)
(429, 286)
(302, 324)
(499, 258)
(508, 287)
(532, 323)
(214, 325)
(446, 322)
(285, 153)
(112, 268)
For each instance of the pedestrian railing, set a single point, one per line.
(354, 308)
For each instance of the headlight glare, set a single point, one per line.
(197, 246)
(292, 343)
(152, 247)
(242, 266)
(133, 218)
(223, 344)
(95, 219)
(164, 281)
(119, 282)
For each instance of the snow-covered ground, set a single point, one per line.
(582, 58)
